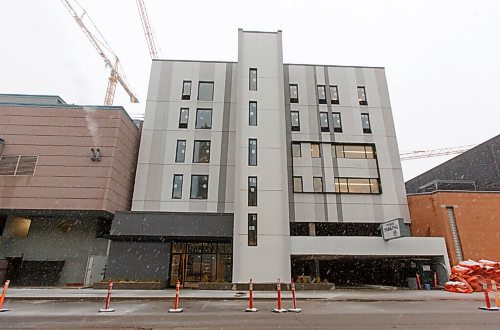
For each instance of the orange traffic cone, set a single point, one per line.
(176, 308)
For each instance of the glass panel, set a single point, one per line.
(178, 247)
(199, 187)
(252, 191)
(370, 152)
(252, 229)
(294, 115)
(209, 268)
(356, 152)
(358, 186)
(323, 118)
(183, 118)
(252, 152)
(201, 152)
(253, 79)
(186, 90)
(365, 123)
(296, 152)
(193, 268)
(229, 247)
(297, 184)
(318, 184)
(294, 93)
(337, 122)
(177, 187)
(315, 150)
(362, 95)
(375, 186)
(334, 94)
(321, 94)
(339, 150)
(204, 118)
(252, 114)
(221, 248)
(341, 185)
(205, 91)
(180, 155)
(175, 272)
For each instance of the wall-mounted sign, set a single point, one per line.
(394, 229)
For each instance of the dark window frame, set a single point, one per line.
(250, 163)
(213, 90)
(295, 128)
(292, 99)
(181, 176)
(183, 153)
(191, 188)
(184, 95)
(333, 100)
(327, 127)
(181, 123)
(300, 149)
(337, 129)
(366, 130)
(250, 83)
(194, 151)
(252, 229)
(301, 184)
(322, 185)
(320, 100)
(250, 122)
(365, 100)
(252, 195)
(319, 149)
(211, 117)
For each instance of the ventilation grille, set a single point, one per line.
(18, 165)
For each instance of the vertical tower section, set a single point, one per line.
(261, 242)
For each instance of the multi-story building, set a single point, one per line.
(64, 171)
(264, 170)
(459, 200)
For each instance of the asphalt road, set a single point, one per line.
(316, 314)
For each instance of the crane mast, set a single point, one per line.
(116, 75)
(434, 153)
(146, 26)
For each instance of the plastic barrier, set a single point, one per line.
(176, 308)
(108, 300)
(418, 281)
(487, 300)
(294, 301)
(2, 298)
(279, 309)
(495, 292)
(250, 298)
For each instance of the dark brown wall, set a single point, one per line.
(65, 177)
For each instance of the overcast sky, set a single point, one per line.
(442, 58)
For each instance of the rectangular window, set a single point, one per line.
(17, 227)
(375, 186)
(180, 155)
(252, 152)
(370, 152)
(354, 151)
(201, 152)
(252, 113)
(252, 191)
(294, 115)
(205, 91)
(204, 118)
(321, 94)
(177, 186)
(296, 150)
(186, 90)
(18, 165)
(357, 185)
(297, 184)
(362, 95)
(315, 150)
(318, 184)
(323, 120)
(365, 123)
(337, 122)
(252, 229)
(341, 185)
(199, 186)
(294, 93)
(334, 94)
(252, 83)
(184, 118)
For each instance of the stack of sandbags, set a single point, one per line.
(468, 276)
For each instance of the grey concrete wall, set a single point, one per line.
(140, 261)
(47, 242)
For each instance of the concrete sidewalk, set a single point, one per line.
(333, 295)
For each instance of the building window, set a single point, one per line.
(294, 93)
(252, 113)
(180, 155)
(201, 152)
(199, 186)
(205, 91)
(315, 150)
(323, 120)
(357, 185)
(177, 186)
(365, 123)
(334, 94)
(184, 118)
(341, 185)
(297, 184)
(337, 122)
(252, 191)
(252, 229)
(186, 90)
(321, 94)
(362, 95)
(18, 165)
(252, 152)
(318, 184)
(294, 115)
(17, 227)
(353, 151)
(296, 150)
(252, 83)
(204, 118)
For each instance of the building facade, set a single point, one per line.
(459, 200)
(265, 170)
(64, 171)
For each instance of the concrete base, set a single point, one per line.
(251, 309)
(175, 310)
(491, 309)
(279, 310)
(106, 310)
(4, 310)
(295, 310)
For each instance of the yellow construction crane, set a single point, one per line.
(148, 31)
(104, 50)
(434, 153)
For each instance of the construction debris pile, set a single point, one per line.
(469, 276)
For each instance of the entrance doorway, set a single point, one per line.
(192, 263)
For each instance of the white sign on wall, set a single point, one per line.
(392, 229)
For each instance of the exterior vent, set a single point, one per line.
(18, 165)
